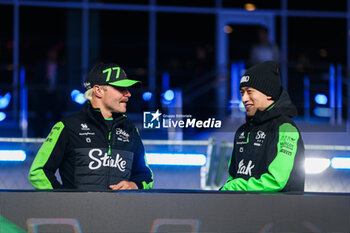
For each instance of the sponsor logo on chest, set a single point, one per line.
(84, 126)
(259, 138)
(242, 136)
(122, 135)
(86, 132)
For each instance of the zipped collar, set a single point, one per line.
(96, 115)
(283, 106)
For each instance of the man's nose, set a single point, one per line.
(127, 93)
(245, 97)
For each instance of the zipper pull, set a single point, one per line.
(109, 143)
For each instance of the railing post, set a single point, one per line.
(339, 95)
(207, 170)
(23, 104)
(332, 93)
(306, 97)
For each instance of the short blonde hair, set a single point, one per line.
(89, 93)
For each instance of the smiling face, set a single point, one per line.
(254, 100)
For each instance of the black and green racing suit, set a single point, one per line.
(268, 153)
(91, 153)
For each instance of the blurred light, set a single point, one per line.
(2, 116)
(147, 96)
(323, 53)
(169, 95)
(241, 107)
(78, 97)
(228, 29)
(321, 99)
(5, 100)
(316, 165)
(340, 162)
(322, 112)
(250, 7)
(12, 155)
(176, 159)
(74, 93)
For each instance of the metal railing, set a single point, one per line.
(212, 175)
(32, 145)
(330, 180)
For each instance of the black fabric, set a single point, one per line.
(264, 77)
(283, 106)
(261, 152)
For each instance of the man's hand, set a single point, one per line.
(123, 185)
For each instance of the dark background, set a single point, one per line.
(185, 48)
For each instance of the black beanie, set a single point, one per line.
(264, 77)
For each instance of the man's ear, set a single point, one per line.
(98, 91)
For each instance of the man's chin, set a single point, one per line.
(123, 110)
(250, 113)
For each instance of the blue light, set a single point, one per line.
(74, 93)
(321, 99)
(12, 155)
(2, 116)
(169, 95)
(5, 100)
(340, 162)
(78, 97)
(322, 112)
(147, 96)
(183, 159)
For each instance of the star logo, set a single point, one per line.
(151, 120)
(156, 115)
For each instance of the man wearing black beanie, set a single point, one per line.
(268, 152)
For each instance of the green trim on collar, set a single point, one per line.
(271, 106)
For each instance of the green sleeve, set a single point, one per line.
(47, 160)
(8, 227)
(279, 169)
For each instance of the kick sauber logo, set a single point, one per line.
(151, 120)
(84, 127)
